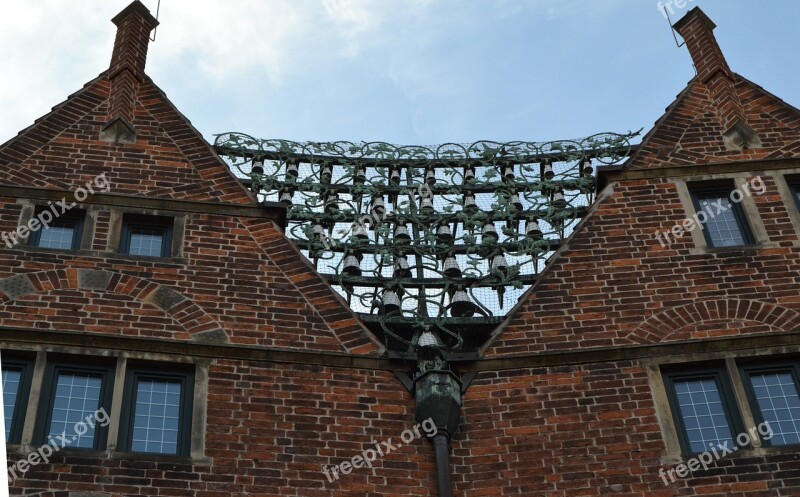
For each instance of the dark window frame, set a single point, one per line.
(133, 221)
(18, 416)
(745, 370)
(133, 374)
(726, 393)
(47, 399)
(794, 188)
(75, 217)
(724, 189)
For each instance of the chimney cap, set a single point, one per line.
(136, 7)
(694, 13)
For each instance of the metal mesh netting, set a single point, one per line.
(414, 237)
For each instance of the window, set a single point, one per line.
(149, 236)
(774, 396)
(74, 394)
(63, 232)
(157, 412)
(725, 222)
(16, 378)
(702, 409)
(794, 186)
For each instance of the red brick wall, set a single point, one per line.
(691, 133)
(564, 431)
(170, 159)
(229, 280)
(588, 431)
(270, 430)
(615, 282)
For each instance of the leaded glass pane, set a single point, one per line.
(58, 235)
(77, 397)
(779, 402)
(703, 413)
(12, 379)
(146, 241)
(157, 416)
(723, 228)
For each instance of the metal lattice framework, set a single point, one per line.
(443, 238)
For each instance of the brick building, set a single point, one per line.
(167, 326)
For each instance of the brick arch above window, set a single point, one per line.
(707, 319)
(197, 324)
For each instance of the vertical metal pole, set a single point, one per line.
(443, 465)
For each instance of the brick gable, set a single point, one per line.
(607, 286)
(170, 159)
(690, 131)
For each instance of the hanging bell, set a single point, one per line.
(426, 205)
(394, 176)
(450, 267)
(444, 234)
(318, 231)
(378, 206)
(351, 265)
(499, 264)
(508, 172)
(401, 269)
(469, 203)
(360, 175)
(401, 234)
(547, 171)
(516, 202)
(489, 232)
(326, 173)
(430, 176)
(286, 197)
(358, 231)
(332, 203)
(391, 302)
(258, 166)
(429, 338)
(461, 306)
(558, 200)
(318, 242)
(469, 174)
(291, 169)
(586, 167)
(532, 229)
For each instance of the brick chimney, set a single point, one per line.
(713, 71)
(126, 72)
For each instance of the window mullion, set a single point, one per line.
(116, 404)
(34, 399)
(741, 400)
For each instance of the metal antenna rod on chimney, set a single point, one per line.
(669, 21)
(666, 14)
(158, 9)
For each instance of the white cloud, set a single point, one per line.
(224, 38)
(48, 49)
(277, 60)
(52, 47)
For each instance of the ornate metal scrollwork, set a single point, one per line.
(442, 238)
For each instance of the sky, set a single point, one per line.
(403, 71)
